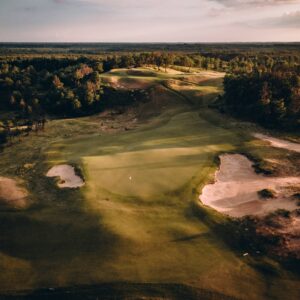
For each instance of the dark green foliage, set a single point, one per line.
(283, 213)
(263, 86)
(267, 193)
(279, 212)
(3, 135)
(72, 89)
(271, 98)
(78, 170)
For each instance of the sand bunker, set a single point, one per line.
(278, 143)
(235, 191)
(11, 194)
(67, 176)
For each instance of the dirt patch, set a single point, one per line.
(236, 187)
(11, 194)
(278, 143)
(163, 70)
(68, 177)
(114, 120)
(113, 81)
(127, 83)
(133, 84)
(284, 228)
(144, 73)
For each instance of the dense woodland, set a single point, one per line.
(210, 49)
(260, 86)
(271, 98)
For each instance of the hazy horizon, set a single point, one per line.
(172, 21)
(145, 42)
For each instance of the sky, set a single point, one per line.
(149, 20)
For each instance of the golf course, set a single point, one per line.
(133, 218)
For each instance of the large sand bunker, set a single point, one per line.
(11, 194)
(236, 187)
(278, 143)
(67, 175)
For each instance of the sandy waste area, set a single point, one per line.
(278, 143)
(236, 187)
(11, 194)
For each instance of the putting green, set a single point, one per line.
(163, 160)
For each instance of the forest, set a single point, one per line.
(261, 86)
(271, 98)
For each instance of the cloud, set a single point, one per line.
(287, 20)
(149, 20)
(129, 4)
(245, 3)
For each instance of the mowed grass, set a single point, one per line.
(135, 220)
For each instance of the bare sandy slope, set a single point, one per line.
(278, 143)
(11, 194)
(173, 71)
(169, 71)
(291, 232)
(67, 175)
(128, 83)
(235, 190)
(286, 229)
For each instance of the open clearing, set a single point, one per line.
(137, 219)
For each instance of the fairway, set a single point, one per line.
(164, 159)
(137, 218)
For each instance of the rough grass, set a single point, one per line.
(140, 230)
(135, 290)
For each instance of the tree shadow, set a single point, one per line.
(53, 237)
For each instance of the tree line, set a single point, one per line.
(34, 87)
(271, 98)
